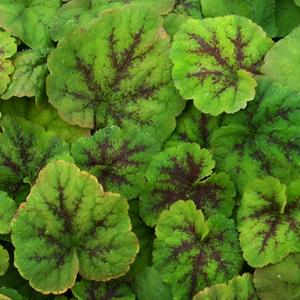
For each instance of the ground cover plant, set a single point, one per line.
(149, 150)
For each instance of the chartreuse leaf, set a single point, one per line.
(268, 216)
(29, 20)
(114, 290)
(7, 210)
(79, 13)
(9, 294)
(191, 253)
(239, 288)
(188, 7)
(280, 281)
(117, 157)
(282, 61)
(28, 79)
(8, 47)
(287, 16)
(173, 21)
(215, 61)
(68, 225)
(127, 83)
(181, 173)
(297, 2)
(260, 12)
(4, 260)
(25, 148)
(44, 115)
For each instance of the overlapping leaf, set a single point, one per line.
(25, 148)
(239, 288)
(127, 82)
(9, 294)
(69, 225)
(260, 12)
(172, 22)
(7, 210)
(79, 13)
(191, 253)
(117, 157)
(215, 61)
(8, 48)
(4, 260)
(269, 217)
(188, 7)
(181, 173)
(29, 20)
(280, 281)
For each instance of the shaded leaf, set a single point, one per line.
(215, 61)
(68, 225)
(9, 294)
(127, 83)
(117, 157)
(7, 210)
(4, 260)
(183, 172)
(280, 281)
(191, 253)
(269, 217)
(188, 7)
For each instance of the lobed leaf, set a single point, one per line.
(67, 226)
(191, 253)
(117, 157)
(127, 83)
(215, 61)
(183, 172)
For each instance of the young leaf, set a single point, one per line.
(8, 48)
(113, 290)
(7, 210)
(280, 281)
(117, 157)
(29, 20)
(79, 13)
(282, 61)
(268, 221)
(239, 288)
(4, 260)
(191, 253)
(25, 148)
(68, 225)
(181, 173)
(188, 7)
(260, 12)
(215, 61)
(29, 76)
(127, 82)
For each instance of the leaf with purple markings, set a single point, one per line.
(188, 8)
(216, 60)
(191, 253)
(126, 83)
(185, 172)
(117, 157)
(69, 225)
(268, 221)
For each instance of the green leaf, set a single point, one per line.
(9, 294)
(149, 285)
(117, 157)
(268, 221)
(112, 290)
(25, 148)
(182, 173)
(282, 61)
(130, 83)
(4, 260)
(68, 225)
(29, 20)
(280, 281)
(44, 115)
(215, 61)
(172, 23)
(297, 2)
(28, 79)
(7, 211)
(8, 47)
(191, 253)
(189, 8)
(260, 12)
(287, 16)
(239, 288)
(79, 13)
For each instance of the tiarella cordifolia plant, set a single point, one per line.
(149, 149)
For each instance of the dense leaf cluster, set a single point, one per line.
(149, 149)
